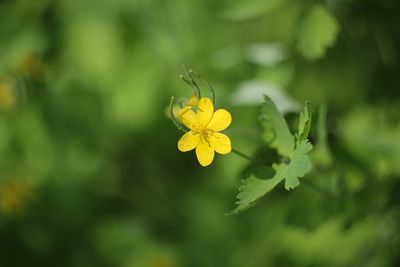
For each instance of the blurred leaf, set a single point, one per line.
(281, 74)
(318, 31)
(276, 130)
(249, 9)
(37, 146)
(321, 153)
(266, 54)
(93, 48)
(372, 135)
(251, 93)
(227, 57)
(317, 245)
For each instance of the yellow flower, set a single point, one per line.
(205, 125)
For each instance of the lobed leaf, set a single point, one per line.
(254, 188)
(276, 130)
(299, 165)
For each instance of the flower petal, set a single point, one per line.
(220, 120)
(221, 143)
(188, 141)
(205, 109)
(205, 153)
(188, 117)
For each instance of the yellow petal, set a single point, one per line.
(188, 141)
(205, 153)
(220, 120)
(188, 117)
(221, 143)
(205, 110)
(193, 101)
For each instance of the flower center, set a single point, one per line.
(205, 134)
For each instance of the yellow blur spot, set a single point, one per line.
(7, 95)
(14, 196)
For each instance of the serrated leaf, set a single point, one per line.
(304, 123)
(254, 188)
(299, 165)
(276, 130)
(318, 30)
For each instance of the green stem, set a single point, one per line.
(212, 91)
(191, 82)
(242, 155)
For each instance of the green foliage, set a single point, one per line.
(372, 134)
(254, 188)
(304, 124)
(276, 131)
(294, 164)
(299, 165)
(317, 31)
(89, 170)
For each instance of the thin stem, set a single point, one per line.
(171, 113)
(188, 82)
(191, 81)
(242, 155)
(212, 91)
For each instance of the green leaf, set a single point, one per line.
(254, 188)
(318, 30)
(299, 165)
(277, 133)
(304, 123)
(276, 130)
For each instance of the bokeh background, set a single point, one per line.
(90, 174)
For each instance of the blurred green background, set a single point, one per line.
(90, 174)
